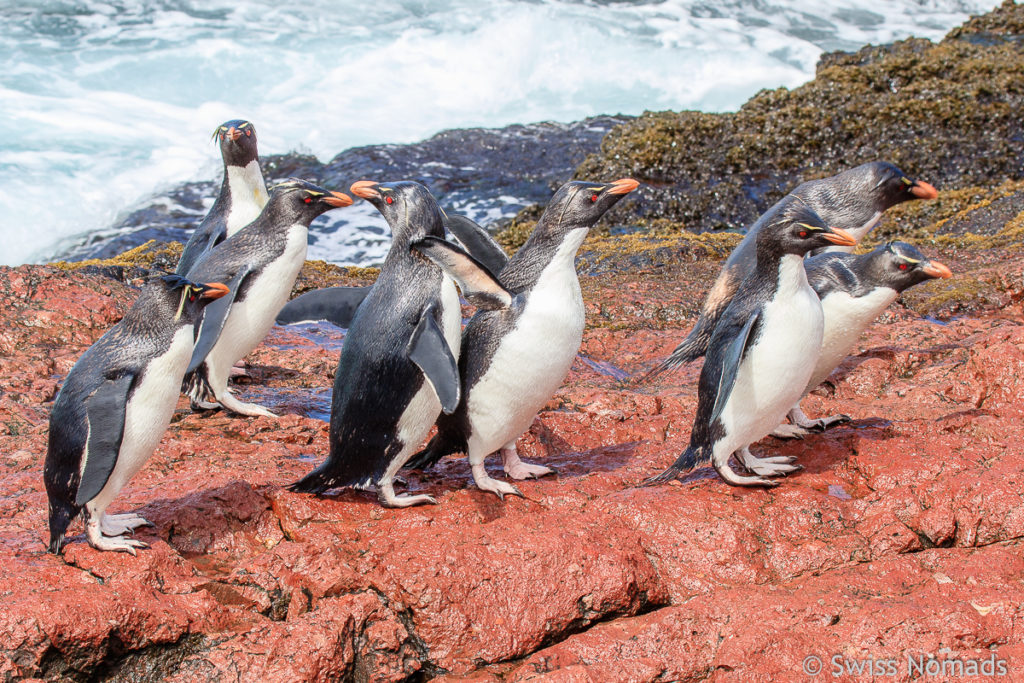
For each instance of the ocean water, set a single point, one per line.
(105, 103)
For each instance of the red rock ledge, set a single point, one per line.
(901, 538)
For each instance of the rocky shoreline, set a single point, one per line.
(900, 540)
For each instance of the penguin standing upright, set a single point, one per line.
(259, 263)
(518, 347)
(853, 200)
(763, 350)
(398, 367)
(243, 194)
(854, 290)
(115, 405)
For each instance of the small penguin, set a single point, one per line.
(338, 305)
(113, 409)
(259, 263)
(398, 368)
(762, 352)
(854, 290)
(853, 200)
(243, 194)
(518, 347)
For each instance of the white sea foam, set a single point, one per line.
(105, 102)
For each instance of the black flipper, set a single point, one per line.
(478, 242)
(336, 305)
(105, 410)
(731, 364)
(429, 350)
(477, 283)
(214, 317)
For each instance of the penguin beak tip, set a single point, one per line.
(215, 290)
(938, 270)
(367, 189)
(623, 186)
(338, 199)
(923, 190)
(840, 237)
(234, 134)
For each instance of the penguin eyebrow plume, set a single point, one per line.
(594, 189)
(906, 180)
(181, 304)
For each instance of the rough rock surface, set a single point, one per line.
(901, 538)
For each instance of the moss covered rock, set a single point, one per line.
(948, 113)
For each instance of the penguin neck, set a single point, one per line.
(547, 246)
(790, 274)
(243, 194)
(404, 234)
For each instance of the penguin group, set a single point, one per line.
(788, 306)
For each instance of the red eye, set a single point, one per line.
(222, 137)
(903, 266)
(802, 233)
(389, 200)
(191, 297)
(248, 131)
(308, 200)
(593, 197)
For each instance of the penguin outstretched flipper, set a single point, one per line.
(429, 350)
(336, 305)
(476, 281)
(735, 352)
(478, 242)
(214, 317)
(105, 410)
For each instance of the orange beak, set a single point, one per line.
(936, 269)
(214, 290)
(338, 199)
(367, 189)
(234, 133)
(840, 237)
(923, 190)
(623, 186)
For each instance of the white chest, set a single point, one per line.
(533, 358)
(248, 195)
(772, 376)
(846, 317)
(249, 320)
(149, 411)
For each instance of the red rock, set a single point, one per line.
(899, 538)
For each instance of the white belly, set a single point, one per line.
(776, 369)
(148, 413)
(248, 195)
(532, 360)
(846, 317)
(249, 320)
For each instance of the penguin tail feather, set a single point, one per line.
(316, 482)
(61, 514)
(690, 349)
(441, 445)
(684, 463)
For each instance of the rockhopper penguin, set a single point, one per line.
(338, 305)
(243, 194)
(853, 200)
(115, 405)
(398, 368)
(854, 290)
(763, 350)
(518, 347)
(259, 264)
